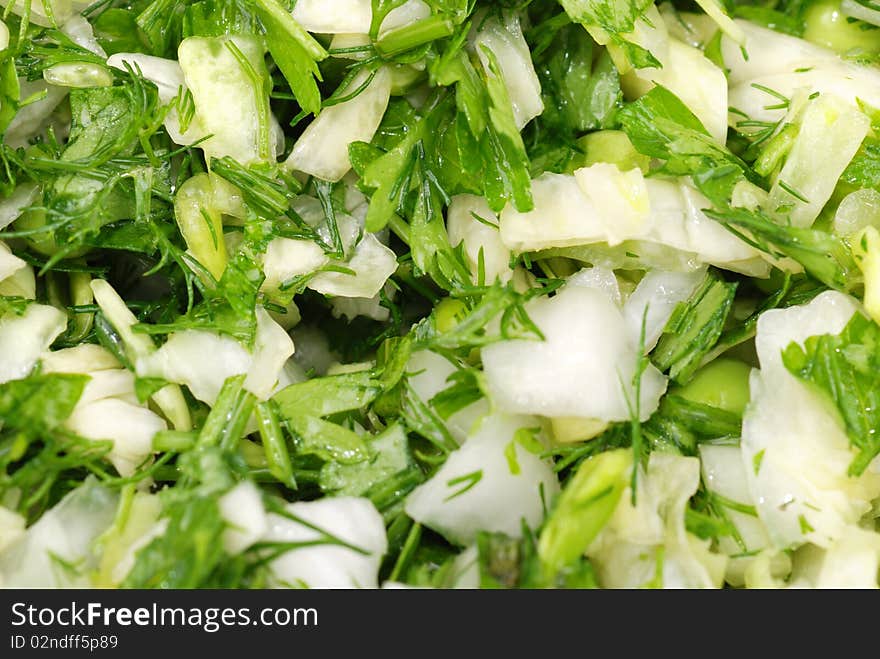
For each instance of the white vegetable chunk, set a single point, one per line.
(482, 243)
(373, 263)
(200, 360)
(647, 543)
(31, 119)
(12, 206)
(66, 531)
(82, 34)
(795, 448)
(428, 374)
(599, 278)
(480, 488)
(406, 14)
(835, 130)
(84, 358)
(352, 520)
(504, 38)
(694, 79)
(130, 427)
(786, 64)
(24, 338)
(225, 97)
(11, 527)
(334, 16)
(242, 509)
(851, 562)
(619, 195)
(286, 258)
(272, 348)
(584, 368)
(322, 149)
(601, 205)
(9, 262)
(654, 300)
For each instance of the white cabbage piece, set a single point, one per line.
(600, 278)
(352, 520)
(694, 79)
(136, 525)
(482, 242)
(622, 195)
(786, 65)
(830, 127)
(668, 213)
(684, 70)
(47, 14)
(647, 543)
(168, 77)
(481, 488)
(30, 120)
(24, 338)
(108, 407)
(204, 360)
(166, 74)
(650, 32)
(322, 149)
(83, 358)
(130, 426)
(654, 300)
(724, 474)
(201, 360)
(12, 206)
(81, 33)
(858, 210)
(334, 16)
(169, 398)
(369, 307)
(795, 448)
(226, 103)
(242, 510)
(465, 571)
(583, 368)
(503, 37)
(406, 14)
(563, 215)
(286, 258)
(9, 262)
(272, 348)
(11, 527)
(852, 561)
(372, 263)
(428, 374)
(66, 531)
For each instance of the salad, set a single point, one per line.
(439, 293)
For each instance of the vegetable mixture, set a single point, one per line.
(439, 293)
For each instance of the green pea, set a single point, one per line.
(826, 25)
(448, 314)
(723, 383)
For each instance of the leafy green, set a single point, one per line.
(824, 256)
(694, 328)
(661, 126)
(39, 403)
(295, 52)
(581, 92)
(615, 18)
(846, 368)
